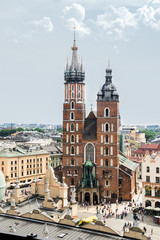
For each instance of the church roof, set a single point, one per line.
(90, 127)
(123, 160)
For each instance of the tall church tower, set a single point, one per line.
(73, 119)
(108, 139)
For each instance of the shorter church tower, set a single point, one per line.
(73, 119)
(108, 139)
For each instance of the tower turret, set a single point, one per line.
(108, 91)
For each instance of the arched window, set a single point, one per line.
(67, 127)
(111, 150)
(72, 150)
(107, 151)
(106, 162)
(72, 105)
(111, 163)
(107, 127)
(89, 152)
(77, 150)
(76, 126)
(72, 127)
(147, 169)
(106, 112)
(79, 91)
(72, 162)
(67, 162)
(72, 181)
(72, 116)
(77, 138)
(101, 162)
(67, 150)
(107, 139)
(157, 170)
(67, 138)
(72, 91)
(77, 161)
(72, 138)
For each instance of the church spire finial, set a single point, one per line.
(74, 40)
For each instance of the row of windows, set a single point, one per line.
(72, 162)
(107, 127)
(157, 179)
(105, 151)
(72, 138)
(107, 163)
(72, 127)
(28, 173)
(74, 173)
(72, 150)
(148, 169)
(148, 192)
(105, 139)
(28, 160)
(28, 166)
(73, 91)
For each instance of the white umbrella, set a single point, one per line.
(157, 209)
(149, 207)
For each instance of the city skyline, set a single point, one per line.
(36, 38)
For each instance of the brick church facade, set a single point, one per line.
(90, 145)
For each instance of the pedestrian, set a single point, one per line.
(152, 231)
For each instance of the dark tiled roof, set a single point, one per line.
(90, 127)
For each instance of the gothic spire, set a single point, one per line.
(74, 71)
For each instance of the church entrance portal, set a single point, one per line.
(87, 197)
(95, 198)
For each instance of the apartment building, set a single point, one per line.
(24, 163)
(151, 180)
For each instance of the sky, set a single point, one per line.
(36, 38)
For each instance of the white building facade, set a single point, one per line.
(151, 180)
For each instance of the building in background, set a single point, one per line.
(55, 154)
(151, 180)
(151, 148)
(24, 163)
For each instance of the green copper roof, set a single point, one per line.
(127, 163)
(88, 163)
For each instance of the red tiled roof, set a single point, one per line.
(147, 147)
(150, 146)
